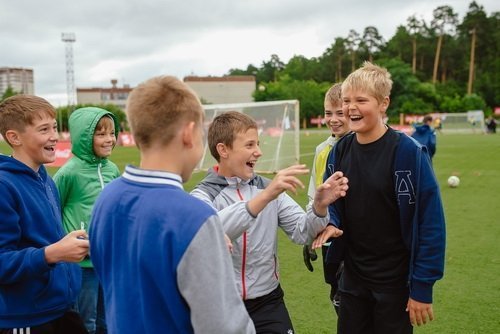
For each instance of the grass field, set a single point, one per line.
(467, 299)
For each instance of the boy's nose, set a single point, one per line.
(54, 135)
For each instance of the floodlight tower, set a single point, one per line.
(69, 38)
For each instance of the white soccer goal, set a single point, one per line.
(467, 122)
(278, 126)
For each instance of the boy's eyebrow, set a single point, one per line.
(45, 124)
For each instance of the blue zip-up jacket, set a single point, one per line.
(162, 261)
(420, 211)
(426, 136)
(32, 292)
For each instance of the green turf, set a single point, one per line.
(467, 299)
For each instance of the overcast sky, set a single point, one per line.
(134, 40)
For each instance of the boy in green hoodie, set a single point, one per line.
(94, 133)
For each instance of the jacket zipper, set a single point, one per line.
(51, 200)
(99, 173)
(244, 256)
(64, 266)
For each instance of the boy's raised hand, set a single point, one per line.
(72, 248)
(332, 189)
(286, 180)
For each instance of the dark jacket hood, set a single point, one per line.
(421, 129)
(14, 166)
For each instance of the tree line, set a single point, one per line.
(439, 66)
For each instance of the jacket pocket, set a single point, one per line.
(59, 290)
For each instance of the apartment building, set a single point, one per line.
(226, 89)
(20, 79)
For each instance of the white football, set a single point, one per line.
(453, 181)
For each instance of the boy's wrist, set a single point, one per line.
(259, 202)
(50, 254)
(319, 210)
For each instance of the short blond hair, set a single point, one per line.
(334, 94)
(18, 111)
(224, 129)
(157, 107)
(369, 78)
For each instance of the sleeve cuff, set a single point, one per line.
(421, 292)
(38, 262)
(246, 207)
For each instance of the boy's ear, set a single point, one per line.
(222, 150)
(12, 137)
(385, 103)
(188, 134)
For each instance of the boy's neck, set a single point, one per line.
(341, 135)
(372, 135)
(225, 171)
(28, 162)
(159, 160)
(222, 170)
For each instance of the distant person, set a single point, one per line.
(426, 135)
(252, 208)
(93, 136)
(39, 282)
(393, 240)
(491, 125)
(438, 124)
(160, 253)
(338, 125)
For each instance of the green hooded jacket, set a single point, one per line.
(83, 177)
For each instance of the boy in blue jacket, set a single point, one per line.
(426, 135)
(38, 281)
(160, 253)
(392, 219)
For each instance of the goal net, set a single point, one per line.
(278, 127)
(467, 122)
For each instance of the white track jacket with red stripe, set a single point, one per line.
(255, 239)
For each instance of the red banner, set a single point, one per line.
(126, 139)
(63, 153)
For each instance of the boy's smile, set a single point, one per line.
(241, 159)
(335, 119)
(37, 143)
(104, 142)
(365, 114)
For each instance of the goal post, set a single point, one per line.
(278, 128)
(467, 122)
